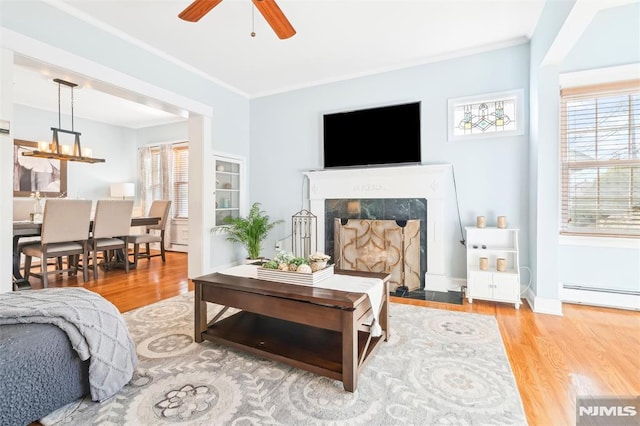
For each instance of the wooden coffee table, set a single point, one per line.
(311, 328)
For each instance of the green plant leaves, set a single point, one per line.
(250, 231)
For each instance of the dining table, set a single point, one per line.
(28, 228)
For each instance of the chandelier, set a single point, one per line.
(63, 152)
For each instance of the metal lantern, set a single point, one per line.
(304, 233)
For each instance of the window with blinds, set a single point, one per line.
(153, 174)
(181, 181)
(180, 172)
(600, 160)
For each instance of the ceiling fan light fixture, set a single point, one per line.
(268, 8)
(196, 10)
(275, 18)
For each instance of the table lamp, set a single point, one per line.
(123, 190)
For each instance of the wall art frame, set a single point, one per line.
(32, 174)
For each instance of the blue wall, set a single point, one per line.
(491, 174)
(231, 111)
(612, 39)
(514, 176)
(114, 143)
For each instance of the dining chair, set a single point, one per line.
(110, 231)
(65, 232)
(23, 211)
(159, 208)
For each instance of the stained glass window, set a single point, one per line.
(486, 115)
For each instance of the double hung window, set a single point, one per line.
(166, 176)
(600, 160)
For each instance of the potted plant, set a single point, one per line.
(250, 231)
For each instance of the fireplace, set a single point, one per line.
(426, 183)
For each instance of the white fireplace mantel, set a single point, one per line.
(429, 181)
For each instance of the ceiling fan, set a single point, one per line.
(268, 8)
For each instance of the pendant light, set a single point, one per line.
(63, 152)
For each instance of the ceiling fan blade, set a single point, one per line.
(198, 9)
(274, 17)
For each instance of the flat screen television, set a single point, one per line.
(376, 136)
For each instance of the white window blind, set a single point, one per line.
(181, 181)
(600, 160)
(180, 172)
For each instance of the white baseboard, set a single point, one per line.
(541, 305)
(437, 282)
(179, 247)
(222, 267)
(456, 284)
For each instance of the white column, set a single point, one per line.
(6, 171)
(201, 190)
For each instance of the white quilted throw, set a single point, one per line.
(95, 327)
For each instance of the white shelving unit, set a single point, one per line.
(490, 284)
(228, 188)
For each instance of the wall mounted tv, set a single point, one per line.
(387, 135)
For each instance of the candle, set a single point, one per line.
(481, 222)
(483, 263)
(87, 152)
(43, 146)
(65, 149)
(502, 222)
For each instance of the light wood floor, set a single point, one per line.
(588, 351)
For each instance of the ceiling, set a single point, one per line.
(335, 40)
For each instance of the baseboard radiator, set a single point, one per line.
(597, 296)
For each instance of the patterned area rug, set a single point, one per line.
(438, 367)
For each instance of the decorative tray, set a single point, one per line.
(291, 277)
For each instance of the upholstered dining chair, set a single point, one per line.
(22, 211)
(65, 232)
(111, 227)
(159, 208)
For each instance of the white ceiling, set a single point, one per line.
(335, 40)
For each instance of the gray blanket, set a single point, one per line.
(95, 327)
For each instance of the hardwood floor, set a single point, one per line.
(150, 282)
(588, 352)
